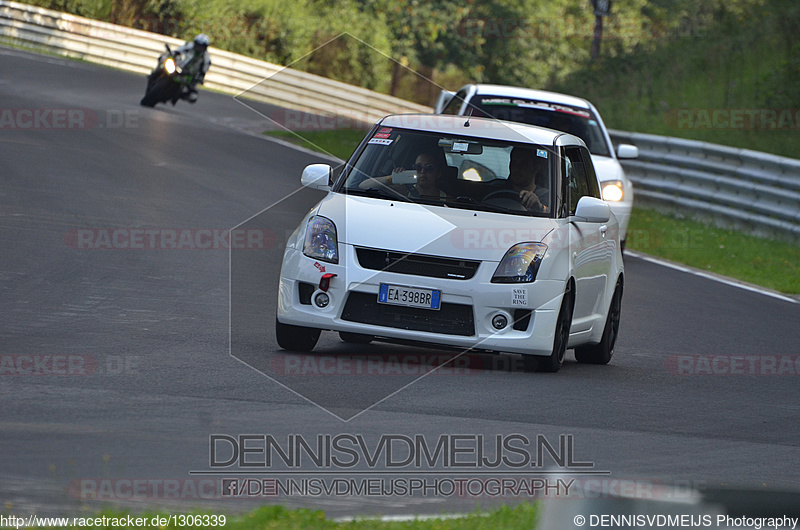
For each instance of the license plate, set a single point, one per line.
(409, 296)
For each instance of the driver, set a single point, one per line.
(196, 62)
(527, 175)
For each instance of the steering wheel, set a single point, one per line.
(505, 198)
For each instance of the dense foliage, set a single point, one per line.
(396, 46)
(657, 57)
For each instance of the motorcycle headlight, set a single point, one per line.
(169, 65)
(520, 263)
(320, 242)
(612, 191)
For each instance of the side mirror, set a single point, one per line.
(592, 210)
(627, 151)
(317, 176)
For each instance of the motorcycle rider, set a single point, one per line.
(195, 60)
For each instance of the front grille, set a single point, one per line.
(450, 319)
(416, 264)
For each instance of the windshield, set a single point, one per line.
(579, 122)
(453, 171)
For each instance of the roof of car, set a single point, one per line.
(529, 93)
(478, 127)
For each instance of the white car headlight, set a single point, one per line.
(520, 263)
(612, 191)
(320, 242)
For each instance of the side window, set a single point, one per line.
(594, 185)
(576, 178)
(455, 104)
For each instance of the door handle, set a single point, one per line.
(603, 230)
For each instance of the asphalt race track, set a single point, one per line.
(116, 328)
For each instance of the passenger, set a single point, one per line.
(428, 167)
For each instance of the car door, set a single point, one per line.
(590, 251)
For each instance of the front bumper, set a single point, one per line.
(464, 320)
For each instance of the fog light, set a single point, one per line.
(499, 322)
(322, 300)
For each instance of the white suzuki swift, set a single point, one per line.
(460, 232)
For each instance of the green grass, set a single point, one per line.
(277, 517)
(340, 143)
(766, 262)
(741, 64)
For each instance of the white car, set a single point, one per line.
(554, 111)
(467, 266)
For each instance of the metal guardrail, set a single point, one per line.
(136, 51)
(749, 190)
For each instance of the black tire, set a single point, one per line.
(296, 338)
(601, 353)
(355, 338)
(157, 93)
(561, 336)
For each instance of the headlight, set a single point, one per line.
(520, 264)
(169, 65)
(320, 242)
(612, 191)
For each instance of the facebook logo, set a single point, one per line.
(230, 487)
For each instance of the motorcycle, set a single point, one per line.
(171, 79)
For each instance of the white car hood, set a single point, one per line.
(432, 230)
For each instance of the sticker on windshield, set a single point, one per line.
(382, 135)
(460, 147)
(380, 141)
(385, 130)
(541, 152)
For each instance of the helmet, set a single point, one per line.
(201, 42)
